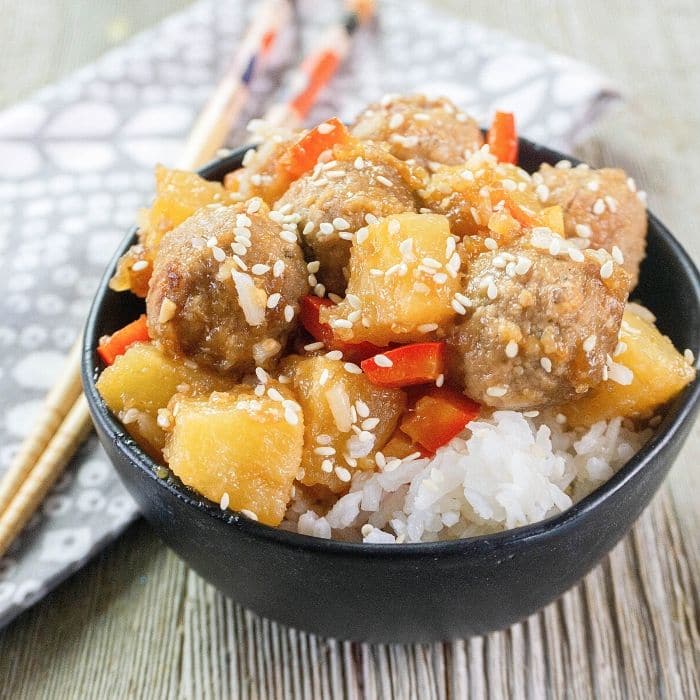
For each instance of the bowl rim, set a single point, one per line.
(475, 545)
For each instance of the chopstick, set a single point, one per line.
(64, 421)
(320, 64)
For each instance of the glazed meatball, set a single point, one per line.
(600, 205)
(421, 129)
(537, 327)
(225, 288)
(339, 197)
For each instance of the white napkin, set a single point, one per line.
(77, 163)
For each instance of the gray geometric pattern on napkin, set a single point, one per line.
(77, 163)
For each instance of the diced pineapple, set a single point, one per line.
(658, 373)
(179, 194)
(142, 381)
(345, 416)
(239, 444)
(403, 276)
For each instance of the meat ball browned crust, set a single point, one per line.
(420, 128)
(538, 328)
(600, 205)
(334, 200)
(225, 288)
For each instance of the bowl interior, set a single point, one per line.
(669, 285)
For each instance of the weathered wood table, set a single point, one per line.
(137, 623)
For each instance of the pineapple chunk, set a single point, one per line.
(332, 398)
(659, 372)
(403, 276)
(239, 444)
(179, 194)
(142, 381)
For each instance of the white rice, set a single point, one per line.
(502, 472)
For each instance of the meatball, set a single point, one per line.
(538, 327)
(600, 205)
(225, 288)
(336, 199)
(420, 128)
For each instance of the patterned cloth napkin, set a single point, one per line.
(77, 163)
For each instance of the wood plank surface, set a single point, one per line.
(137, 623)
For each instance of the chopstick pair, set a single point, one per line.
(64, 421)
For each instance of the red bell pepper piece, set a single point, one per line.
(503, 138)
(310, 309)
(117, 343)
(418, 363)
(439, 415)
(301, 156)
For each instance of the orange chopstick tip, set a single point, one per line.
(364, 9)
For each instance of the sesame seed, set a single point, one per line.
(313, 266)
(308, 228)
(361, 235)
(327, 466)
(617, 255)
(576, 255)
(319, 290)
(458, 307)
(370, 423)
(583, 230)
(511, 349)
(311, 279)
(370, 219)
(340, 224)
(384, 180)
(325, 128)
(492, 291)
(383, 361)
(243, 221)
(440, 278)
(167, 310)
(689, 356)
(261, 374)
(335, 174)
(343, 474)
(326, 228)
(631, 184)
(611, 202)
(212, 241)
(254, 205)
(352, 368)
(467, 175)
(555, 246)
(324, 451)
(260, 269)
(274, 394)
(334, 355)
(589, 343)
(278, 268)
(239, 248)
(311, 347)
(288, 236)
(396, 121)
(288, 313)
(497, 391)
(440, 380)
(223, 504)
(598, 207)
(593, 185)
(509, 185)
(606, 269)
(563, 164)
(249, 514)
(259, 390)
(427, 327)
(542, 192)
(359, 163)
(431, 262)
(642, 196)
(490, 243)
(546, 364)
(394, 226)
(362, 408)
(140, 265)
(291, 416)
(531, 414)
(522, 267)
(324, 377)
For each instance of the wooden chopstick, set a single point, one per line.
(64, 421)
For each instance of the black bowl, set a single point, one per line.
(409, 592)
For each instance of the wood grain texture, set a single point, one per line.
(137, 623)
